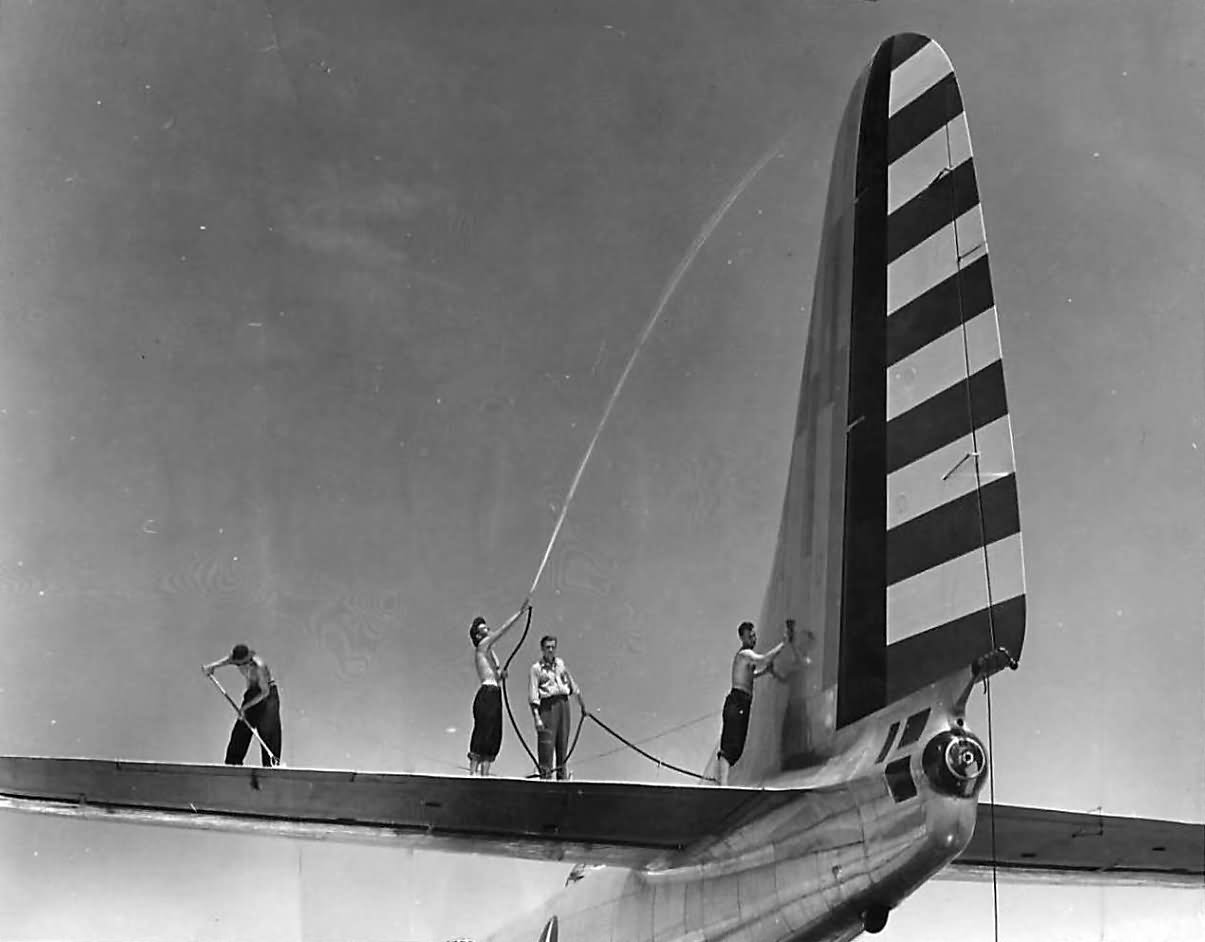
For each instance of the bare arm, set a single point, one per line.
(762, 662)
(765, 662)
(496, 636)
(210, 668)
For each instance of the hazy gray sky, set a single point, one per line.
(309, 311)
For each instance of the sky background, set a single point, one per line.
(308, 311)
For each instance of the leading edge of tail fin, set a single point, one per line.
(899, 549)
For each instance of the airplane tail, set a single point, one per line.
(899, 549)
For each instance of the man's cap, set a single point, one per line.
(240, 653)
(744, 626)
(477, 622)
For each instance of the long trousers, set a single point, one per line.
(552, 742)
(265, 717)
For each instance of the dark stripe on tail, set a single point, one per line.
(946, 417)
(944, 200)
(953, 529)
(931, 111)
(905, 46)
(948, 647)
(939, 310)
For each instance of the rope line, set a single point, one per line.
(661, 763)
(987, 569)
(506, 699)
(665, 732)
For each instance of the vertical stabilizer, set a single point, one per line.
(899, 550)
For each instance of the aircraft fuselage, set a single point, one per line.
(825, 867)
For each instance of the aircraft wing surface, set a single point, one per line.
(619, 823)
(1041, 841)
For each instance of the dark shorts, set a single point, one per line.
(486, 740)
(736, 725)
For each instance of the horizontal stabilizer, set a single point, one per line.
(618, 823)
(1070, 844)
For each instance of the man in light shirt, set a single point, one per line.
(549, 691)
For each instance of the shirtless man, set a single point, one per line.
(747, 665)
(261, 707)
(486, 740)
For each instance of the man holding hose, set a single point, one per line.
(486, 740)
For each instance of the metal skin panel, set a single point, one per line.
(694, 907)
(790, 875)
(721, 901)
(669, 911)
(580, 924)
(631, 917)
(758, 885)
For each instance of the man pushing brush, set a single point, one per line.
(260, 710)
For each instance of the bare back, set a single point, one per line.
(256, 673)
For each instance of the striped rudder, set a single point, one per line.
(899, 548)
(955, 578)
